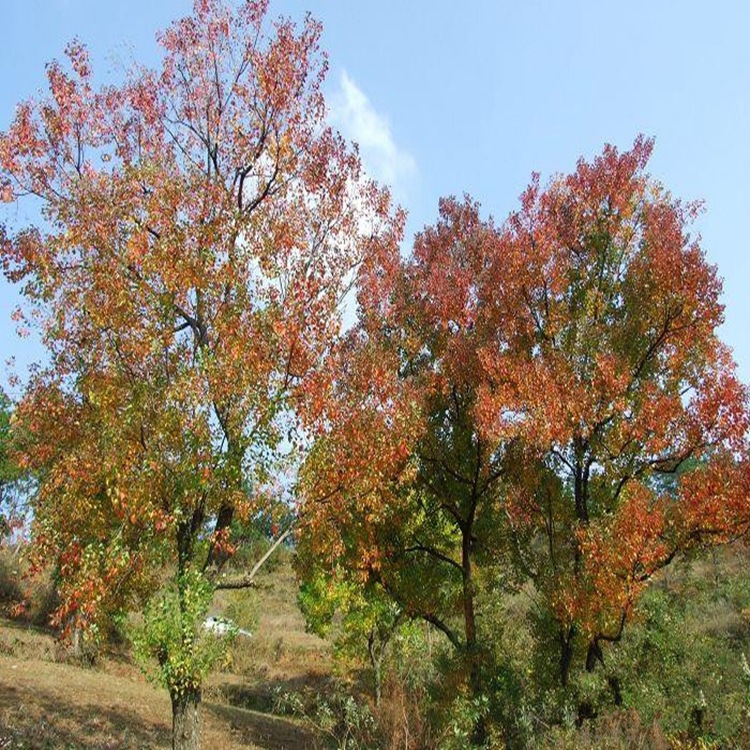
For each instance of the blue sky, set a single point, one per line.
(447, 98)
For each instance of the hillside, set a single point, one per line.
(46, 701)
(687, 640)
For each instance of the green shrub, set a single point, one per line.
(171, 644)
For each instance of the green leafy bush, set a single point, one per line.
(172, 635)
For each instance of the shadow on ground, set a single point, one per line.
(41, 720)
(262, 695)
(267, 731)
(33, 717)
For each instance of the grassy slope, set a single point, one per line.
(693, 627)
(46, 702)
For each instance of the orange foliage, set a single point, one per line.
(580, 340)
(200, 226)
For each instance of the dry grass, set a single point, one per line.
(47, 702)
(280, 648)
(621, 730)
(51, 705)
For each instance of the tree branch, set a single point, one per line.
(419, 547)
(248, 581)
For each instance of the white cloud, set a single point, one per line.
(353, 114)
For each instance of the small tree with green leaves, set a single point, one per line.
(369, 619)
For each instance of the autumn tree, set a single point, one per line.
(103, 556)
(199, 225)
(509, 407)
(362, 618)
(401, 491)
(608, 370)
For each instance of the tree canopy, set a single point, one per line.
(510, 406)
(199, 227)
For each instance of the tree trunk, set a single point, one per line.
(614, 683)
(76, 640)
(83, 651)
(470, 628)
(479, 733)
(566, 654)
(378, 682)
(376, 651)
(186, 722)
(594, 655)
